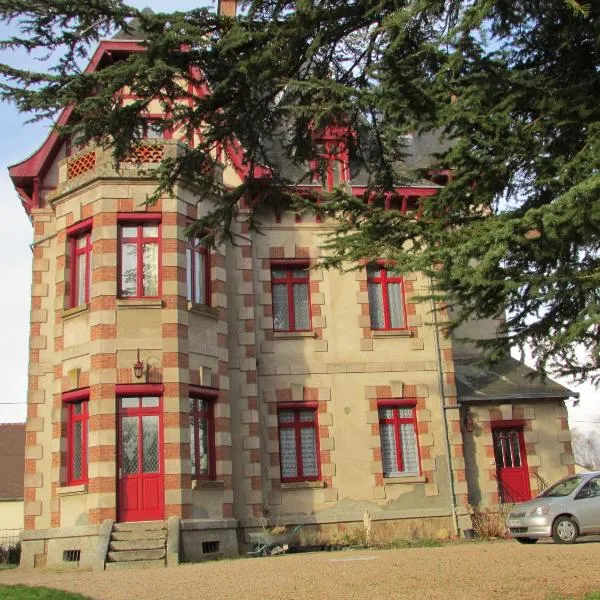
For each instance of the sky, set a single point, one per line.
(18, 141)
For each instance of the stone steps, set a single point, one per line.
(137, 545)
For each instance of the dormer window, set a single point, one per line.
(331, 167)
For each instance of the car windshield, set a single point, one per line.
(563, 488)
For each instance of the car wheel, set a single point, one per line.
(526, 540)
(565, 530)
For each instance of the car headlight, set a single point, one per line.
(539, 511)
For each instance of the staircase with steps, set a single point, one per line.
(137, 545)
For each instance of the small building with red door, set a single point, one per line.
(188, 397)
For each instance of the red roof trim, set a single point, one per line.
(38, 163)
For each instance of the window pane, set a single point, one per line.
(395, 303)
(287, 453)
(81, 279)
(188, 272)
(286, 416)
(373, 272)
(309, 452)
(281, 318)
(154, 130)
(130, 402)
(77, 449)
(150, 437)
(129, 232)
(301, 306)
(150, 401)
(307, 416)
(193, 443)
(129, 445)
(81, 241)
(77, 408)
(388, 449)
(405, 413)
(128, 269)
(150, 269)
(386, 412)
(506, 451)
(278, 274)
(376, 306)
(203, 447)
(410, 455)
(150, 231)
(516, 451)
(199, 296)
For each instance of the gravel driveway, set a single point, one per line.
(483, 570)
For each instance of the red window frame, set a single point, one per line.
(396, 420)
(72, 400)
(198, 252)
(332, 154)
(197, 414)
(76, 233)
(383, 280)
(139, 221)
(290, 280)
(297, 425)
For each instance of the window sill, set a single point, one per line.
(302, 485)
(405, 479)
(391, 333)
(68, 313)
(203, 309)
(207, 484)
(124, 303)
(72, 490)
(292, 335)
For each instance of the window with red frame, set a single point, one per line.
(81, 256)
(139, 256)
(298, 444)
(399, 445)
(290, 287)
(386, 298)
(202, 437)
(198, 273)
(331, 168)
(77, 443)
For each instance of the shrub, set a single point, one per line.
(490, 521)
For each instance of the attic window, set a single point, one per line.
(331, 168)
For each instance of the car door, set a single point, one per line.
(586, 506)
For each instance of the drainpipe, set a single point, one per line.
(444, 406)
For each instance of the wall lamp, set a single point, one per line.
(138, 366)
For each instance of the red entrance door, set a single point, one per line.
(511, 464)
(141, 481)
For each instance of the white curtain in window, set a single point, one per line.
(395, 303)
(376, 306)
(287, 453)
(309, 452)
(388, 449)
(150, 270)
(301, 306)
(409, 448)
(281, 318)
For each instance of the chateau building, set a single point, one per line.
(203, 393)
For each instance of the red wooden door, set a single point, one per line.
(511, 464)
(141, 478)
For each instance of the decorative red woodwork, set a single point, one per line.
(81, 164)
(141, 464)
(147, 153)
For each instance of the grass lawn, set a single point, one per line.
(23, 592)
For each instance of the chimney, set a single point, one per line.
(227, 8)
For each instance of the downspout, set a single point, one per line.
(444, 406)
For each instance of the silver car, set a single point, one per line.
(564, 511)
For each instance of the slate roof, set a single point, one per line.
(12, 460)
(509, 379)
(133, 32)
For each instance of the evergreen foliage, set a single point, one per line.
(512, 86)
